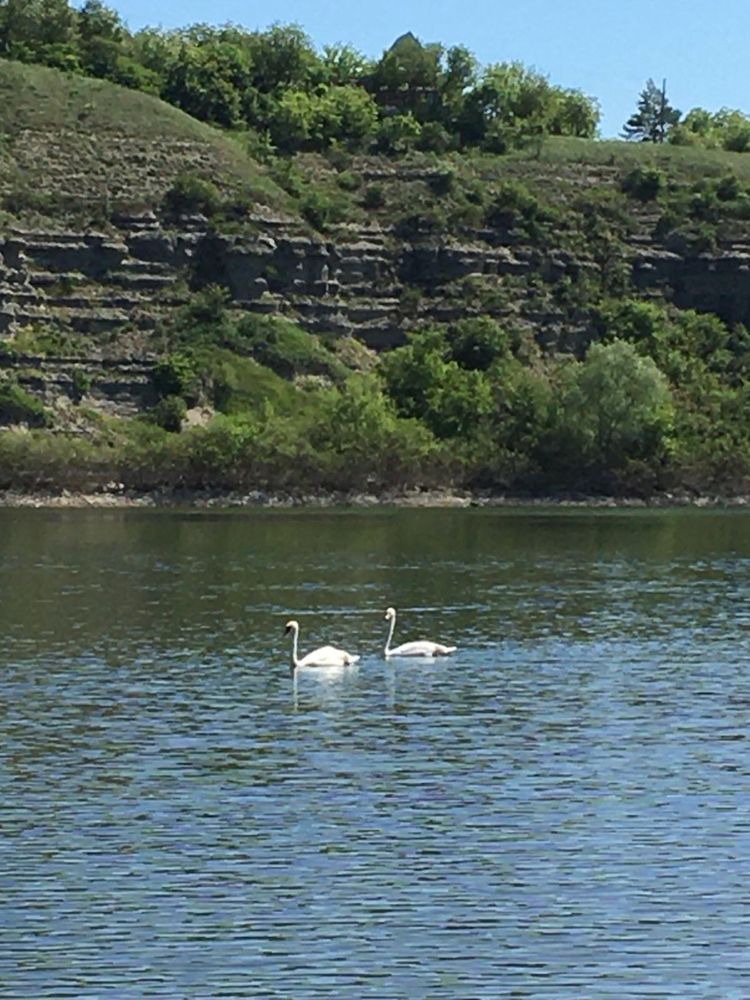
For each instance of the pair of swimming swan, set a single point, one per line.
(330, 656)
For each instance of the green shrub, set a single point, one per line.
(152, 458)
(19, 407)
(9, 353)
(424, 382)
(177, 375)
(514, 206)
(349, 181)
(613, 407)
(322, 210)
(478, 342)
(430, 221)
(209, 305)
(285, 173)
(37, 459)
(362, 443)
(434, 138)
(81, 384)
(728, 188)
(191, 193)
(169, 413)
(644, 183)
(738, 140)
(442, 182)
(374, 196)
(398, 133)
(285, 348)
(28, 199)
(410, 301)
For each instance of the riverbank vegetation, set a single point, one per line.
(656, 401)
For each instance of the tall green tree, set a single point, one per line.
(343, 64)
(207, 81)
(614, 406)
(512, 102)
(43, 31)
(654, 117)
(407, 78)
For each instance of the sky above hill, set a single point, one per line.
(606, 48)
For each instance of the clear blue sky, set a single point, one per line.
(607, 48)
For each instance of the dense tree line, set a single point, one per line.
(296, 97)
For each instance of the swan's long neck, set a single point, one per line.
(295, 637)
(390, 635)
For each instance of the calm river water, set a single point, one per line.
(561, 809)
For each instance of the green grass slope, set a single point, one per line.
(68, 141)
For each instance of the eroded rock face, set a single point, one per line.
(351, 284)
(91, 255)
(119, 388)
(718, 283)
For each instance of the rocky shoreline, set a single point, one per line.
(196, 499)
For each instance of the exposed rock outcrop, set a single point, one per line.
(363, 282)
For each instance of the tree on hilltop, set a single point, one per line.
(655, 115)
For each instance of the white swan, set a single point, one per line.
(422, 648)
(326, 656)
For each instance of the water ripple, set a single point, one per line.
(557, 811)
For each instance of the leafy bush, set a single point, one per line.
(81, 384)
(613, 407)
(348, 181)
(398, 134)
(177, 375)
(374, 196)
(323, 210)
(728, 188)
(208, 307)
(191, 193)
(442, 182)
(285, 348)
(37, 459)
(363, 443)
(424, 382)
(644, 183)
(514, 206)
(18, 406)
(169, 413)
(434, 138)
(477, 343)
(409, 301)
(429, 221)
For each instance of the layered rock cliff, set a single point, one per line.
(112, 287)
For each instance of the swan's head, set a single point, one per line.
(291, 626)
(390, 613)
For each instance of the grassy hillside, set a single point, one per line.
(455, 191)
(68, 144)
(72, 146)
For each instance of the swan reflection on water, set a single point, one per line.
(322, 683)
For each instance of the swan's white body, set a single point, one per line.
(325, 656)
(423, 647)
